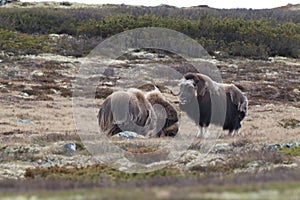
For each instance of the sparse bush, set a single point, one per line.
(257, 34)
(65, 3)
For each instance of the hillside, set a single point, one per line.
(234, 32)
(293, 7)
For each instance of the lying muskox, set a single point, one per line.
(149, 115)
(206, 101)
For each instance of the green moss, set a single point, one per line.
(294, 151)
(21, 43)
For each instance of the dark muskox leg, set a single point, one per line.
(235, 127)
(113, 131)
(170, 130)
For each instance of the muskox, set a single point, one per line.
(206, 101)
(147, 114)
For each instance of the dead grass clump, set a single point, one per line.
(65, 92)
(94, 172)
(142, 150)
(241, 142)
(196, 145)
(289, 123)
(103, 92)
(264, 156)
(21, 153)
(44, 98)
(137, 146)
(55, 137)
(148, 158)
(220, 168)
(50, 88)
(242, 160)
(51, 65)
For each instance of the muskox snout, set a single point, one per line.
(185, 97)
(183, 101)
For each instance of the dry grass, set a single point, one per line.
(55, 137)
(242, 160)
(62, 178)
(289, 123)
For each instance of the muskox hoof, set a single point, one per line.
(234, 133)
(203, 133)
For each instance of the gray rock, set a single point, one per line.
(274, 147)
(24, 94)
(25, 121)
(46, 164)
(222, 148)
(37, 73)
(296, 91)
(69, 148)
(128, 135)
(290, 145)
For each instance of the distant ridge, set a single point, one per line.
(65, 4)
(289, 7)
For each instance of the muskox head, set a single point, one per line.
(191, 87)
(187, 91)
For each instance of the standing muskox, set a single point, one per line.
(149, 115)
(206, 101)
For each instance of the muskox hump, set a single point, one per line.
(126, 111)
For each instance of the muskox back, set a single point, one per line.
(106, 114)
(149, 114)
(126, 111)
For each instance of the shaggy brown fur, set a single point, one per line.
(206, 101)
(148, 115)
(170, 127)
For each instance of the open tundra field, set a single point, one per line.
(51, 89)
(37, 123)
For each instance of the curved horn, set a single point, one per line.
(200, 83)
(174, 93)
